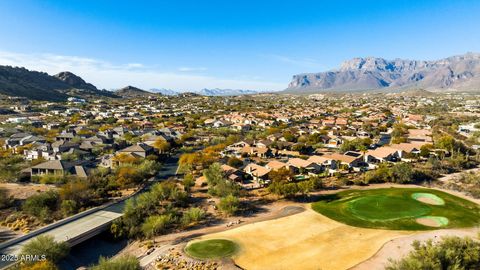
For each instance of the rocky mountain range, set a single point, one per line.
(164, 91)
(225, 92)
(456, 73)
(16, 81)
(207, 92)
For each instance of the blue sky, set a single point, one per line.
(189, 45)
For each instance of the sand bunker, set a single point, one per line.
(428, 198)
(304, 241)
(432, 221)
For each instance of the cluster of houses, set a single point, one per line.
(76, 153)
(261, 157)
(334, 121)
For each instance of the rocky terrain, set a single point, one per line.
(456, 73)
(17, 81)
(132, 91)
(225, 92)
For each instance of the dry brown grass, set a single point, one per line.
(23, 191)
(305, 241)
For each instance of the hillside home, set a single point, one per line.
(59, 168)
(300, 166)
(140, 150)
(258, 173)
(382, 154)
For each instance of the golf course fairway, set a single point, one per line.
(399, 209)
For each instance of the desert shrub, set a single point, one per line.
(159, 201)
(450, 253)
(154, 225)
(229, 205)
(121, 263)
(69, 207)
(188, 182)
(149, 167)
(78, 191)
(50, 179)
(45, 245)
(41, 205)
(400, 173)
(10, 167)
(218, 185)
(192, 216)
(5, 200)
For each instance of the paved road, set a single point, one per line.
(85, 227)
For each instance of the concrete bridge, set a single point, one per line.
(85, 225)
(72, 230)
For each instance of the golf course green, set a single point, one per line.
(399, 209)
(212, 249)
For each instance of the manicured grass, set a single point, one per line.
(395, 208)
(212, 249)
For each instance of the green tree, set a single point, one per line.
(154, 225)
(380, 175)
(218, 184)
(425, 150)
(192, 216)
(399, 130)
(281, 175)
(69, 207)
(446, 142)
(402, 173)
(162, 146)
(229, 205)
(283, 188)
(289, 137)
(355, 145)
(41, 205)
(305, 187)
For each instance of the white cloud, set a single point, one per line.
(135, 65)
(107, 75)
(191, 69)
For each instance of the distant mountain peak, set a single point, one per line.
(461, 73)
(132, 91)
(164, 91)
(74, 80)
(17, 81)
(225, 92)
